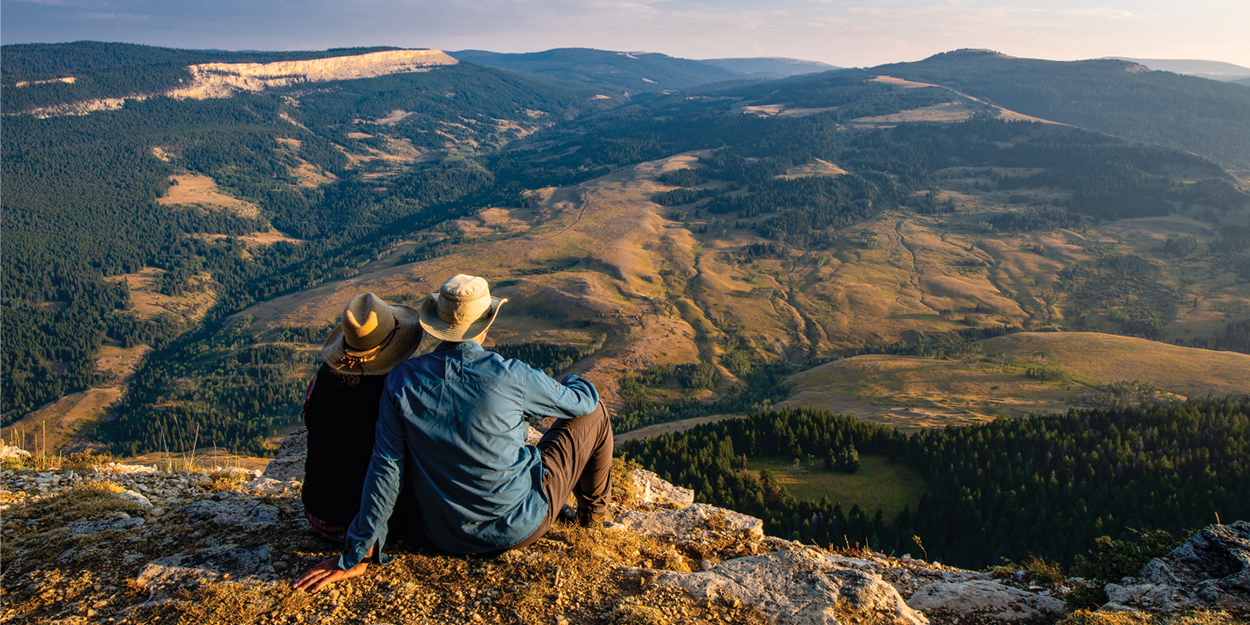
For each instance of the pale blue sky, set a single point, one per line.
(840, 32)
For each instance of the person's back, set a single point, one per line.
(341, 414)
(465, 410)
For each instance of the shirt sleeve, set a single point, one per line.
(383, 482)
(569, 398)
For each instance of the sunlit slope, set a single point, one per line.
(1109, 358)
(601, 263)
(913, 392)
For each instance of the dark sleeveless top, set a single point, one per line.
(340, 413)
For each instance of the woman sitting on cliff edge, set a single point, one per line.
(341, 408)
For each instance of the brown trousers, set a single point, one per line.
(577, 459)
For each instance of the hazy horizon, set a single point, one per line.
(838, 32)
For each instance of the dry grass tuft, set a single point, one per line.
(624, 492)
(229, 602)
(91, 499)
(633, 614)
(1195, 617)
(225, 480)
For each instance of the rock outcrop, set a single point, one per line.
(985, 600)
(799, 587)
(221, 80)
(288, 463)
(133, 543)
(692, 522)
(1211, 570)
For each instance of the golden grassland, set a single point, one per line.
(70, 418)
(200, 190)
(912, 392)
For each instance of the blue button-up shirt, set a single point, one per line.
(458, 415)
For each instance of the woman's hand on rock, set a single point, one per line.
(327, 573)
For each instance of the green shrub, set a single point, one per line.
(1112, 560)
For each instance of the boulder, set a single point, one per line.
(691, 522)
(191, 569)
(652, 489)
(121, 523)
(1210, 571)
(138, 498)
(233, 512)
(270, 487)
(985, 600)
(8, 451)
(288, 464)
(796, 587)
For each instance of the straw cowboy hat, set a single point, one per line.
(373, 336)
(461, 310)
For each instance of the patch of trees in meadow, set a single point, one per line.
(1044, 485)
(1122, 287)
(760, 384)
(547, 357)
(712, 458)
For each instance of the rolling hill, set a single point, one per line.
(1113, 96)
(771, 67)
(631, 72)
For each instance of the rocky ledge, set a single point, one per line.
(114, 543)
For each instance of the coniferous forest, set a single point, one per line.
(1045, 485)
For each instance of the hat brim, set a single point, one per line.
(380, 360)
(455, 332)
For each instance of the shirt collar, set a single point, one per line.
(466, 346)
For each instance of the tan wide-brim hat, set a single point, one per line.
(372, 337)
(461, 310)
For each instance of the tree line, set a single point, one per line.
(1046, 485)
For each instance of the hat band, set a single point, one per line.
(353, 358)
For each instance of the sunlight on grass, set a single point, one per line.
(879, 483)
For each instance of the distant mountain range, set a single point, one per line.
(1108, 95)
(771, 67)
(638, 72)
(1215, 70)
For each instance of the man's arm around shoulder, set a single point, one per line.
(571, 397)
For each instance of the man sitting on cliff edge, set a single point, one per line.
(451, 427)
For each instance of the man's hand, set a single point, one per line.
(327, 573)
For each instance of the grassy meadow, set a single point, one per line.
(879, 483)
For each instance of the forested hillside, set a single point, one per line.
(1113, 96)
(79, 195)
(1047, 485)
(632, 72)
(810, 218)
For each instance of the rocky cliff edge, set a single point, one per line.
(112, 543)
